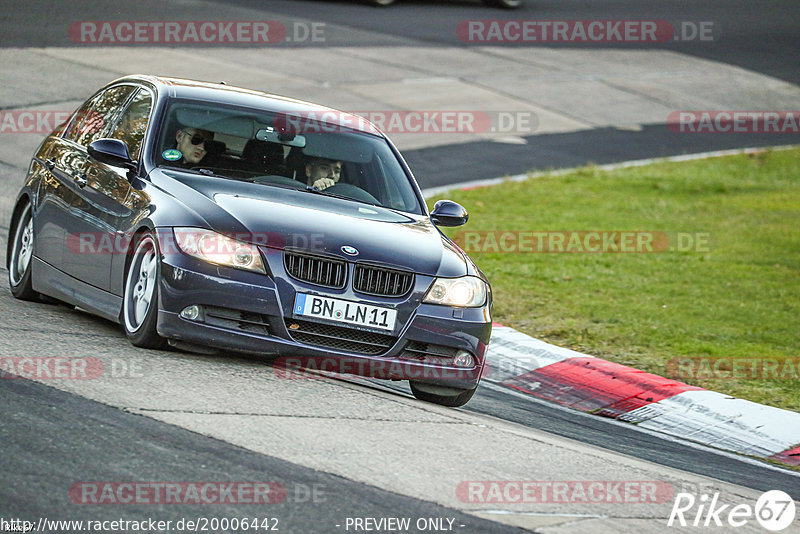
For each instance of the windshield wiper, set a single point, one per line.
(204, 172)
(317, 191)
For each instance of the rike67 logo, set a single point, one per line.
(774, 511)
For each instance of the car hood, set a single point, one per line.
(284, 218)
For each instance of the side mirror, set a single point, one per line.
(449, 213)
(112, 152)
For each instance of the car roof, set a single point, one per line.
(230, 94)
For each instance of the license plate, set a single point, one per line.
(344, 311)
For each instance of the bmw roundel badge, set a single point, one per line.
(350, 251)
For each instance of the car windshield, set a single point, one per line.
(299, 151)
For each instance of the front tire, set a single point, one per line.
(140, 304)
(452, 398)
(21, 257)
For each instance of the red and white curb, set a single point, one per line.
(600, 387)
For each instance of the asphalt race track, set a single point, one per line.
(334, 451)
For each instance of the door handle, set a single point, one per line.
(50, 164)
(81, 180)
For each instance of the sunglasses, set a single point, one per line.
(197, 138)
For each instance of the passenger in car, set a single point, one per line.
(193, 144)
(323, 173)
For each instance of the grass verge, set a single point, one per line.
(721, 286)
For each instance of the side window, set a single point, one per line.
(133, 123)
(105, 109)
(77, 119)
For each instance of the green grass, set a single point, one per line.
(738, 298)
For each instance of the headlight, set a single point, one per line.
(466, 292)
(216, 248)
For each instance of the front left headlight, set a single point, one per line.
(219, 249)
(463, 292)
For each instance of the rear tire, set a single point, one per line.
(140, 303)
(452, 398)
(21, 257)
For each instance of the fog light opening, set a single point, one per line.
(463, 359)
(192, 313)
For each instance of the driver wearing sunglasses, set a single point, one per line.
(193, 144)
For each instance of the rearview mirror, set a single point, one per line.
(284, 138)
(449, 213)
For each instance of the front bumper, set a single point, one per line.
(253, 313)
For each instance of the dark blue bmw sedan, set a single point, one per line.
(216, 218)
